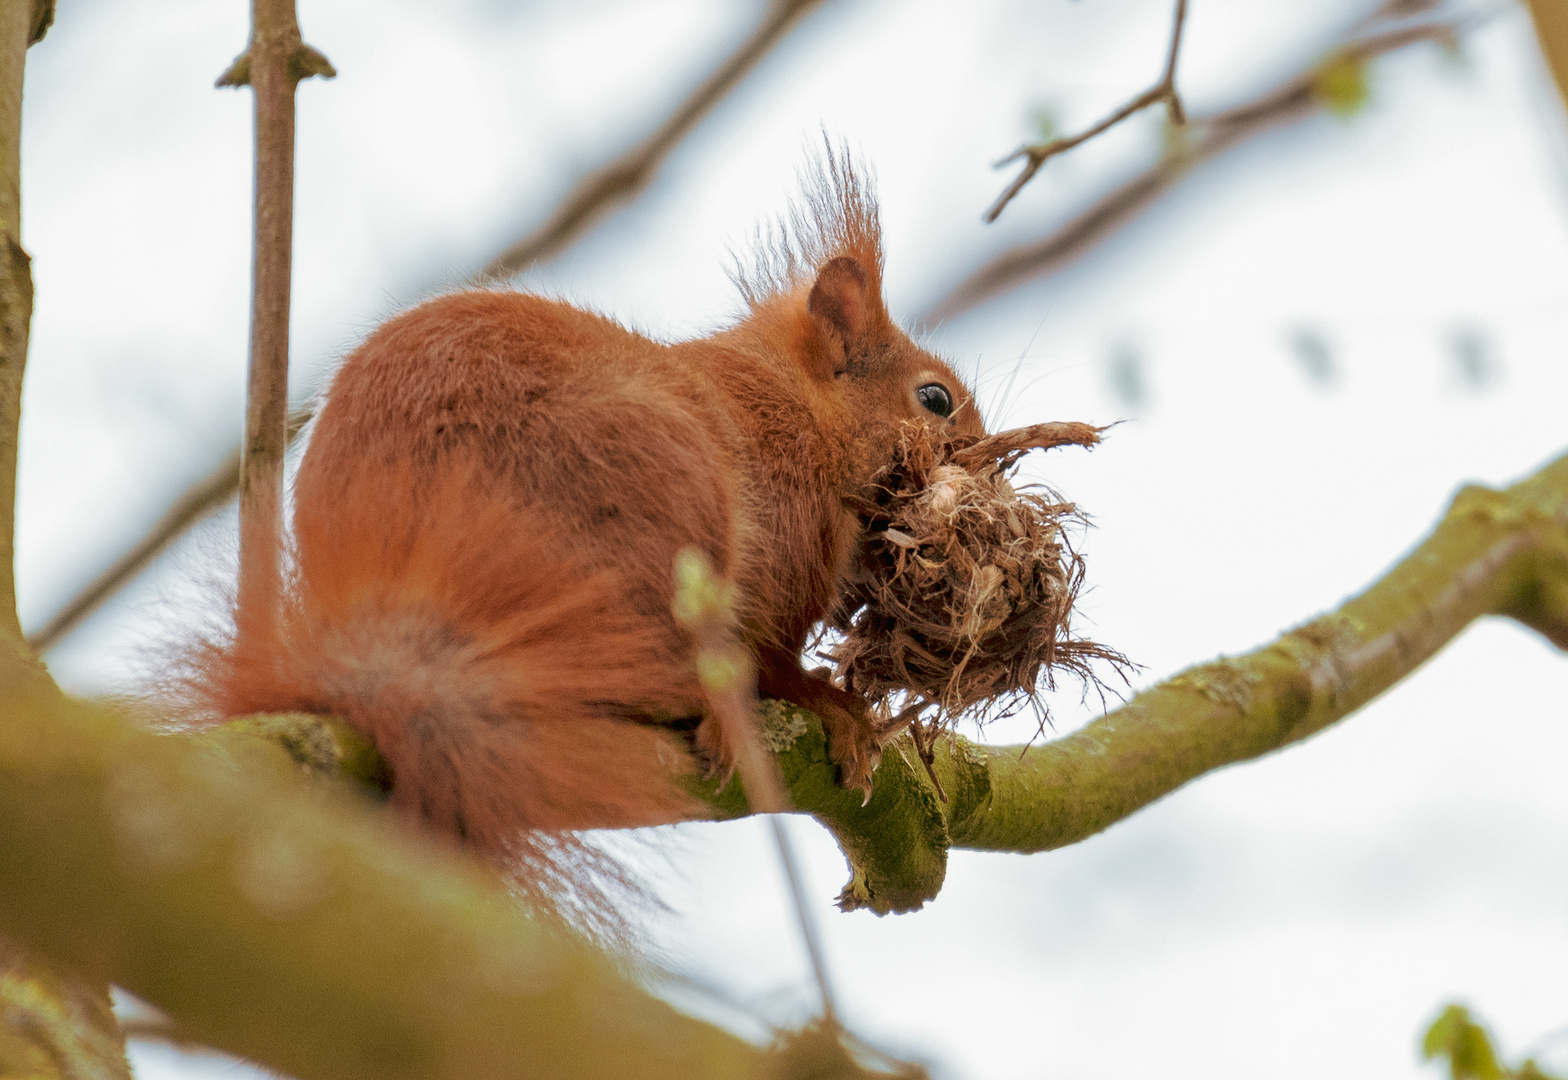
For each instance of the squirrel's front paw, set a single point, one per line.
(852, 744)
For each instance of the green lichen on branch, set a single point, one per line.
(896, 843)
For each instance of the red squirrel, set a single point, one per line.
(488, 510)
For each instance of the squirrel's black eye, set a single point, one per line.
(934, 396)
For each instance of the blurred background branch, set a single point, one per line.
(1163, 91)
(630, 173)
(202, 498)
(1551, 30)
(1336, 82)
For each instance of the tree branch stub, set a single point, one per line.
(55, 1028)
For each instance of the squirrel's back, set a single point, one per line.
(479, 572)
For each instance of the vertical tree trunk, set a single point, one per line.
(50, 1025)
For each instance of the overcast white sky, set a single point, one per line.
(1297, 917)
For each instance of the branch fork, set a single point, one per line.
(1162, 92)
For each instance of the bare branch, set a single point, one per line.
(1163, 91)
(622, 178)
(273, 65)
(1207, 137)
(202, 498)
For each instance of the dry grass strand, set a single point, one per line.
(963, 593)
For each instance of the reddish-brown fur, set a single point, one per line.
(489, 509)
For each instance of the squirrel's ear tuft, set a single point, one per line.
(841, 301)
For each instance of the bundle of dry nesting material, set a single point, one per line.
(964, 588)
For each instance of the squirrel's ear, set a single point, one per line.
(841, 302)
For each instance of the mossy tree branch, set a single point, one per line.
(285, 923)
(1493, 553)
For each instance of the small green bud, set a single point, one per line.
(1342, 85)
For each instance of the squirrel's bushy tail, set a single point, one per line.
(493, 680)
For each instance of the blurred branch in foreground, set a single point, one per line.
(1337, 82)
(1163, 91)
(594, 195)
(55, 1028)
(291, 923)
(55, 1023)
(629, 173)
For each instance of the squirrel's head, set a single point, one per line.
(883, 377)
(816, 280)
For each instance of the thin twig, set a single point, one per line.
(1294, 99)
(926, 754)
(1162, 91)
(909, 714)
(273, 65)
(634, 168)
(808, 925)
